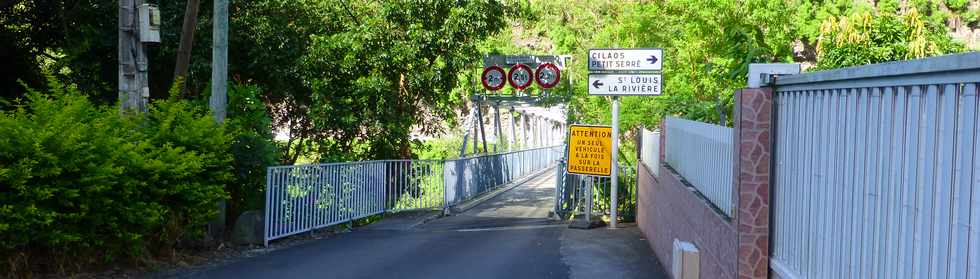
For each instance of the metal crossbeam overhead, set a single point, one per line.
(490, 60)
(511, 100)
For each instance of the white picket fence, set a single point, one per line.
(702, 153)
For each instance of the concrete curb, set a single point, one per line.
(467, 205)
(429, 217)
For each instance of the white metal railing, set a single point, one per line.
(702, 153)
(300, 198)
(650, 150)
(466, 178)
(877, 171)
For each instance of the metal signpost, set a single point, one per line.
(623, 72)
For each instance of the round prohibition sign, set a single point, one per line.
(520, 76)
(493, 78)
(547, 75)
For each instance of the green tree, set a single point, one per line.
(392, 70)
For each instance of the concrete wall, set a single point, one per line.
(667, 209)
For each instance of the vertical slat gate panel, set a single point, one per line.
(852, 150)
(910, 171)
(895, 186)
(944, 156)
(874, 176)
(963, 159)
(973, 269)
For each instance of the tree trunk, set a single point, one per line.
(186, 43)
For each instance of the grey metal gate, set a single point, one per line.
(877, 171)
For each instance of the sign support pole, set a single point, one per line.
(623, 72)
(588, 200)
(614, 173)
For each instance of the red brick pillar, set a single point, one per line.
(753, 152)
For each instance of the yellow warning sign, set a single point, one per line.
(590, 150)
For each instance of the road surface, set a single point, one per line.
(508, 236)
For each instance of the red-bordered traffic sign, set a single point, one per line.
(547, 75)
(520, 76)
(493, 78)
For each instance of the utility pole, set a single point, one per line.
(219, 61)
(219, 90)
(134, 89)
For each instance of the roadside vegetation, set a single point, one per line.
(85, 185)
(708, 46)
(82, 185)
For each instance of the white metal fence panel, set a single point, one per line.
(876, 177)
(301, 198)
(470, 177)
(650, 150)
(305, 197)
(702, 153)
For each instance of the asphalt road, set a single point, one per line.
(508, 236)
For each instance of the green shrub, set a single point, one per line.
(79, 183)
(252, 147)
(971, 17)
(865, 38)
(957, 5)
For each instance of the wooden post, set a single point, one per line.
(186, 43)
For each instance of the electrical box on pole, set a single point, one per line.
(149, 23)
(139, 23)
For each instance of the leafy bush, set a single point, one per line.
(957, 4)
(80, 182)
(863, 38)
(252, 147)
(971, 17)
